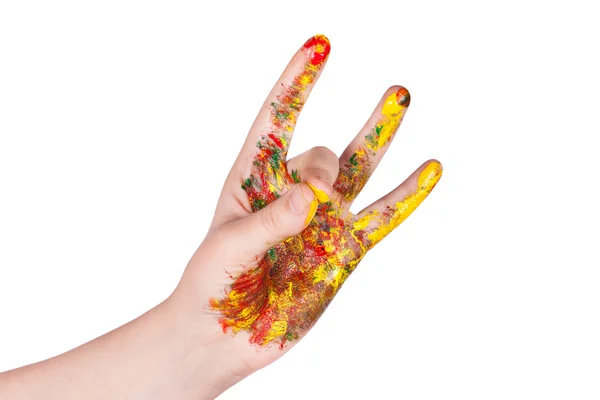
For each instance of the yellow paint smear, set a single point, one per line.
(319, 194)
(391, 115)
(278, 329)
(311, 211)
(391, 107)
(427, 180)
(305, 79)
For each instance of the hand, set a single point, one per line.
(281, 244)
(283, 241)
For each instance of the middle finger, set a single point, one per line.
(364, 153)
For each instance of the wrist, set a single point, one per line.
(208, 364)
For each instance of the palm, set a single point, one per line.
(281, 295)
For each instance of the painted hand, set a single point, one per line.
(283, 241)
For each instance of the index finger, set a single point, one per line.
(274, 125)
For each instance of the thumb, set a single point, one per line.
(285, 217)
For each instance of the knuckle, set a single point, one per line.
(322, 152)
(323, 164)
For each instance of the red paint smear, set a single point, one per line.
(276, 140)
(295, 260)
(317, 57)
(251, 283)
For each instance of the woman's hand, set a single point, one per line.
(283, 241)
(281, 245)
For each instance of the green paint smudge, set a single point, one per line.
(258, 204)
(296, 176)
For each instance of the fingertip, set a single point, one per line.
(322, 190)
(430, 174)
(435, 164)
(318, 47)
(399, 93)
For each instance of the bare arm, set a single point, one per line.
(159, 355)
(282, 243)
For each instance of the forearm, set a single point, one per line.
(155, 356)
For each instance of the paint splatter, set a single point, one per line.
(355, 173)
(270, 178)
(320, 49)
(386, 221)
(291, 286)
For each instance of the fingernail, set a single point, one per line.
(396, 103)
(300, 201)
(403, 97)
(312, 211)
(429, 177)
(319, 46)
(320, 195)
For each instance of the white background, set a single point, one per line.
(119, 121)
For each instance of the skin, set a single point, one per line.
(281, 245)
(282, 296)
